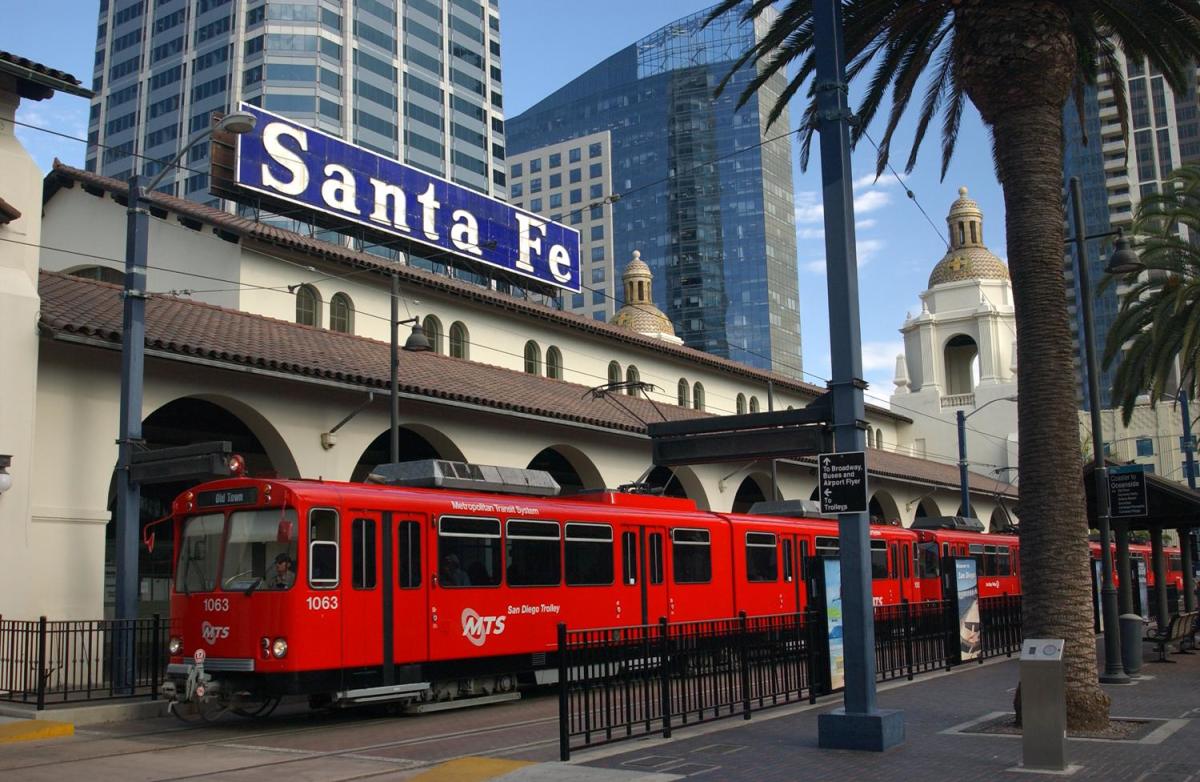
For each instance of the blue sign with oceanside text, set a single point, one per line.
(291, 162)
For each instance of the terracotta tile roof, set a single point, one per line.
(41, 75)
(63, 175)
(93, 309)
(8, 212)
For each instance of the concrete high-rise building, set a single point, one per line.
(418, 80)
(1117, 171)
(705, 197)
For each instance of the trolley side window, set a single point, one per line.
(1174, 563)
(469, 551)
(200, 553)
(629, 560)
(260, 550)
(691, 556)
(589, 554)
(788, 562)
(1003, 561)
(976, 553)
(927, 554)
(323, 548)
(762, 560)
(408, 538)
(879, 559)
(362, 531)
(827, 547)
(533, 553)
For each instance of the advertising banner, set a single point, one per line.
(833, 620)
(338, 183)
(966, 579)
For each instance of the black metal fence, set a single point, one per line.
(65, 661)
(616, 683)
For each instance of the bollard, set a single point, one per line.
(1043, 705)
(1131, 643)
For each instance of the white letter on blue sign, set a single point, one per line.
(338, 189)
(399, 205)
(560, 263)
(465, 234)
(429, 207)
(285, 157)
(525, 242)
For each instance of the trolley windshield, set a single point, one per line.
(238, 552)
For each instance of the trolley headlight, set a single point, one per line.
(175, 645)
(279, 648)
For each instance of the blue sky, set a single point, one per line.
(547, 43)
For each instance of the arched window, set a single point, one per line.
(533, 358)
(753, 404)
(308, 306)
(101, 273)
(433, 332)
(698, 396)
(341, 314)
(554, 363)
(741, 404)
(878, 438)
(684, 392)
(870, 438)
(614, 372)
(631, 377)
(460, 340)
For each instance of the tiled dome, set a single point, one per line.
(967, 258)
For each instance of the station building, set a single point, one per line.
(279, 343)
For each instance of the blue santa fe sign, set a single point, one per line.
(289, 162)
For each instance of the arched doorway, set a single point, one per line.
(883, 509)
(664, 481)
(1001, 521)
(927, 509)
(416, 443)
(754, 488)
(569, 466)
(188, 421)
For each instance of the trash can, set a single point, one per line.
(1043, 705)
(1132, 628)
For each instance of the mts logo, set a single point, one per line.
(213, 633)
(476, 628)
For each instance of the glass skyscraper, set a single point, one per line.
(1117, 171)
(705, 197)
(417, 80)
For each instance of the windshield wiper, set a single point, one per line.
(250, 589)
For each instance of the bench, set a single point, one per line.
(1178, 630)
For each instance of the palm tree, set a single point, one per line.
(1159, 319)
(1017, 61)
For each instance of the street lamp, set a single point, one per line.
(1123, 261)
(133, 344)
(417, 342)
(962, 450)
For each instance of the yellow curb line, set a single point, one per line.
(34, 730)
(470, 770)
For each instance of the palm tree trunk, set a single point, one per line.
(1017, 62)
(1055, 571)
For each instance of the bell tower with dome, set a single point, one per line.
(960, 351)
(639, 313)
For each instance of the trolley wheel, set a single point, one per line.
(252, 707)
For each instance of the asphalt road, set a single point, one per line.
(294, 744)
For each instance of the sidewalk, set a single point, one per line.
(782, 744)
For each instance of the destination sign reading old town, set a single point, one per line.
(288, 161)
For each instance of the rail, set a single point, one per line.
(44, 662)
(622, 682)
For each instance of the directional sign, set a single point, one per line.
(1127, 490)
(843, 482)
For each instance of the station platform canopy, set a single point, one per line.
(1169, 504)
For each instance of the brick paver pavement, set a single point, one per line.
(783, 745)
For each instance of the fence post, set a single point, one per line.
(564, 723)
(42, 674)
(814, 656)
(665, 681)
(745, 648)
(906, 619)
(155, 656)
